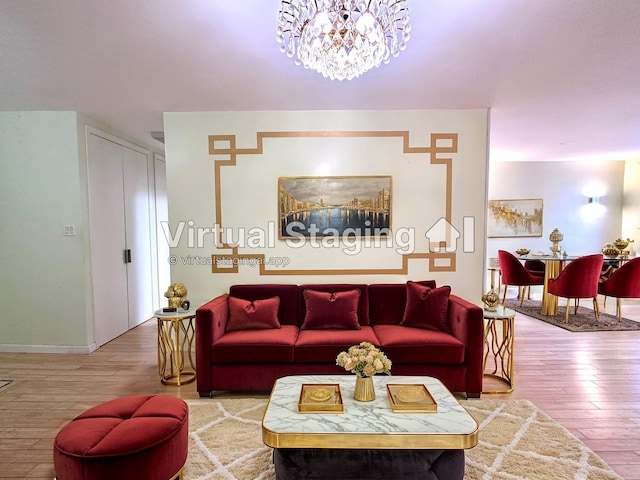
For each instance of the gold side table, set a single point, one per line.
(498, 343)
(176, 333)
(494, 271)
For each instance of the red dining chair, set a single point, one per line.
(622, 283)
(514, 274)
(535, 267)
(579, 279)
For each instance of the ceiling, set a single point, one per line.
(562, 77)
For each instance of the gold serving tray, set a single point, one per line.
(410, 398)
(320, 398)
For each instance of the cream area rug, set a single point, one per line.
(517, 441)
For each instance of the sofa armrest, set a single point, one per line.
(467, 325)
(211, 322)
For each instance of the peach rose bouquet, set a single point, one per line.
(365, 360)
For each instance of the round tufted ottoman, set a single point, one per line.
(138, 437)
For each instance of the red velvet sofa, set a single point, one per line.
(253, 358)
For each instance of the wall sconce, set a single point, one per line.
(592, 210)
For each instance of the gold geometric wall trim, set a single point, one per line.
(225, 145)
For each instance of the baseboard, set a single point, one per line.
(11, 348)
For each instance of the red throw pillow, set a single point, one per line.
(337, 310)
(258, 314)
(427, 307)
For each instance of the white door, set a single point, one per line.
(107, 237)
(120, 213)
(137, 213)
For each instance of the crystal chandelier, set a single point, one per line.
(342, 38)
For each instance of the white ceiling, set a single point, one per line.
(562, 77)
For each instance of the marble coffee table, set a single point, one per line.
(368, 439)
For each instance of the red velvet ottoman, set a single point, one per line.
(138, 437)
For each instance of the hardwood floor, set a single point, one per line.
(589, 382)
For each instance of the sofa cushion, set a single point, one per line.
(323, 346)
(335, 310)
(408, 345)
(427, 307)
(288, 309)
(363, 302)
(255, 346)
(388, 300)
(256, 314)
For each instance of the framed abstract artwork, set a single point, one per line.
(515, 218)
(353, 206)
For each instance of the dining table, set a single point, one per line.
(553, 265)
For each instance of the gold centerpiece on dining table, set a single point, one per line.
(622, 244)
(610, 251)
(555, 237)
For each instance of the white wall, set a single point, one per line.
(564, 188)
(46, 294)
(248, 191)
(631, 205)
(42, 274)
(162, 267)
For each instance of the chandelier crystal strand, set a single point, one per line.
(342, 38)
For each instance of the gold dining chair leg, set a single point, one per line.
(619, 309)
(566, 311)
(596, 309)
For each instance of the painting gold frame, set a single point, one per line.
(357, 206)
(515, 218)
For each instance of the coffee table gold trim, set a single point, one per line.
(391, 441)
(296, 435)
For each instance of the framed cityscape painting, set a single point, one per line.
(515, 218)
(334, 206)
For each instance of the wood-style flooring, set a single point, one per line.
(589, 382)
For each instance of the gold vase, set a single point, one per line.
(364, 391)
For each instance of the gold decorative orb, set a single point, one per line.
(491, 299)
(176, 294)
(555, 236)
(174, 302)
